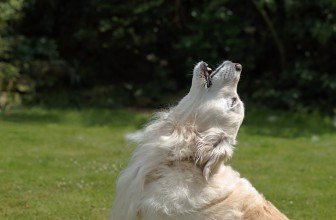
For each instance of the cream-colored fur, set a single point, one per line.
(178, 171)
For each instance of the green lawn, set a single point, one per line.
(62, 164)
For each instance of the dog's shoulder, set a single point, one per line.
(266, 211)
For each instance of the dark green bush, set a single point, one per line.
(142, 50)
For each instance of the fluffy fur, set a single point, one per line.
(178, 171)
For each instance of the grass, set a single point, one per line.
(62, 164)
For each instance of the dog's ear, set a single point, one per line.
(213, 148)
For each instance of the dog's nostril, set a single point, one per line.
(238, 67)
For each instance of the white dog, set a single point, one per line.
(177, 170)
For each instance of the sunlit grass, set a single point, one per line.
(62, 164)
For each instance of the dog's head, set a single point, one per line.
(214, 110)
(213, 100)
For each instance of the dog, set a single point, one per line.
(178, 170)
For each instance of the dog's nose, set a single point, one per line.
(238, 67)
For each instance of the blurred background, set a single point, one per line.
(76, 76)
(141, 53)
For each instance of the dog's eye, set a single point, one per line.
(233, 101)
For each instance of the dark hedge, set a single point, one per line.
(137, 52)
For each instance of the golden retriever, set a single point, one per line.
(178, 170)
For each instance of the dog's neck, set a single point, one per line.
(189, 112)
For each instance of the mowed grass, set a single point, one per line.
(63, 164)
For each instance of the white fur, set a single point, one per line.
(177, 169)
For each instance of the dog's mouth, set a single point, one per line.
(206, 72)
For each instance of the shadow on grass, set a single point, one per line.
(286, 124)
(115, 118)
(85, 117)
(30, 116)
(257, 121)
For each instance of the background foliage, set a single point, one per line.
(137, 52)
